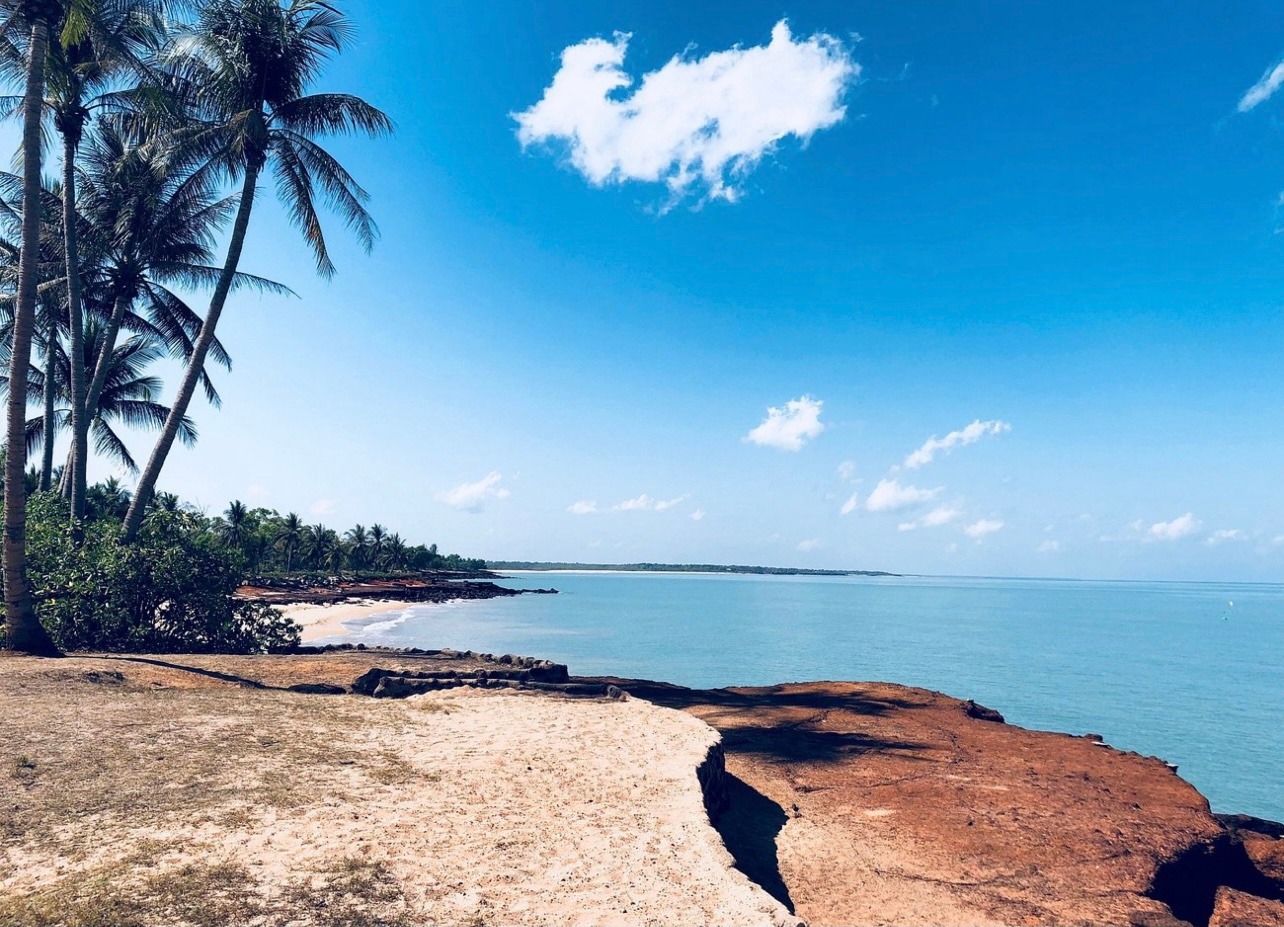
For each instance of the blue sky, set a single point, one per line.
(1052, 221)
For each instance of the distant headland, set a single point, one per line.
(675, 568)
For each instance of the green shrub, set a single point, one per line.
(169, 592)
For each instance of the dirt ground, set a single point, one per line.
(139, 792)
(201, 790)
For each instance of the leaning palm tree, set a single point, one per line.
(358, 541)
(245, 69)
(152, 213)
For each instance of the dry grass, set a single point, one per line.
(140, 794)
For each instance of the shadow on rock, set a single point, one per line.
(749, 826)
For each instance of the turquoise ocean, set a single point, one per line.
(1191, 672)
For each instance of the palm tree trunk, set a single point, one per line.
(92, 394)
(195, 363)
(79, 418)
(47, 434)
(22, 625)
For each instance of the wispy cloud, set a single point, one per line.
(322, 507)
(967, 435)
(847, 471)
(942, 515)
(1050, 546)
(697, 125)
(1264, 89)
(788, 428)
(983, 528)
(890, 496)
(1180, 527)
(809, 544)
(472, 497)
(850, 505)
(583, 507)
(1223, 535)
(697, 515)
(647, 503)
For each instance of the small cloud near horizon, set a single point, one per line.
(1223, 535)
(1180, 527)
(787, 428)
(583, 507)
(809, 545)
(983, 528)
(472, 497)
(699, 126)
(322, 507)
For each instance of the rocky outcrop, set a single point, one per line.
(896, 805)
(417, 589)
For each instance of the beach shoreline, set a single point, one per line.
(319, 621)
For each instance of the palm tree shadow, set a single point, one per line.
(749, 826)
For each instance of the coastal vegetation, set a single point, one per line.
(173, 590)
(167, 116)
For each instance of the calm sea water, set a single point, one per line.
(1171, 669)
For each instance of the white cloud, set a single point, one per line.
(696, 124)
(809, 544)
(850, 505)
(847, 471)
(787, 428)
(1175, 530)
(583, 507)
(1264, 89)
(907, 526)
(1223, 535)
(640, 504)
(646, 503)
(472, 497)
(257, 491)
(891, 496)
(697, 515)
(1049, 547)
(941, 515)
(967, 435)
(982, 528)
(322, 507)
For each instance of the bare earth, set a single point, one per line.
(200, 790)
(163, 797)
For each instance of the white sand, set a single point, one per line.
(482, 807)
(320, 621)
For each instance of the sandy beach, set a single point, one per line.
(322, 621)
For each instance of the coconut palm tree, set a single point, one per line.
(128, 396)
(317, 543)
(289, 537)
(25, 30)
(245, 69)
(394, 552)
(82, 76)
(358, 546)
(378, 537)
(236, 525)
